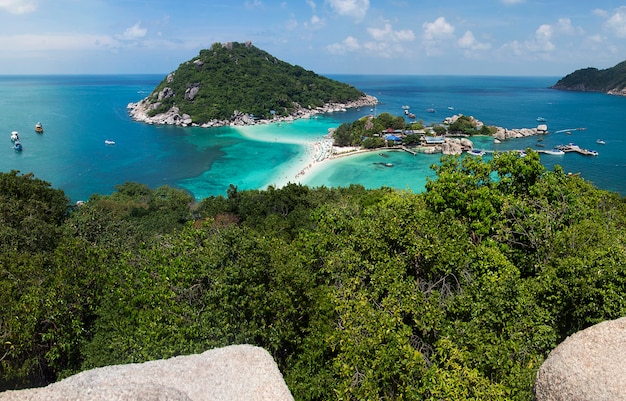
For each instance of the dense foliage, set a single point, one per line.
(593, 79)
(371, 131)
(457, 293)
(239, 76)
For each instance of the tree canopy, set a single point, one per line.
(239, 76)
(595, 80)
(457, 293)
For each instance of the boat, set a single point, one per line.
(541, 119)
(430, 110)
(554, 152)
(600, 141)
(450, 108)
(39, 128)
(14, 136)
(388, 165)
(411, 115)
(476, 152)
(109, 142)
(17, 146)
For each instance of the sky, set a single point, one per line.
(411, 37)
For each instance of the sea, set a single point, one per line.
(80, 112)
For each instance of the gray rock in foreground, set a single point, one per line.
(589, 365)
(238, 372)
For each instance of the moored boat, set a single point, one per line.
(430, 110)
(554, 152)
(17, 146)
(600, 142)
(14, 136)
(541, 119)
(109, 142)
(476, 152)
(39, 128)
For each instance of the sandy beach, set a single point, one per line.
(316, 151)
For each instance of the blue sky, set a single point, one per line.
(460, 37)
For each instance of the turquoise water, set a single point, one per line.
(80, 112)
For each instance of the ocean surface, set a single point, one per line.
(79, 113)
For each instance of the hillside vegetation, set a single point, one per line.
(594, 80)
(239, 76)
(457, 293)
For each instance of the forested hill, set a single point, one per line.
(239, 76)
(457, 293)
(611, 80)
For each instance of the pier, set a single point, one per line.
(409, 150)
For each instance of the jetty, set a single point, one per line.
(409, 150)
(572, 147)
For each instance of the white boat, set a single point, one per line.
(14, 136)
(476, 152)
(541, 119)
(554, 152)
(109, 142)
(39, 128)
(600, 141)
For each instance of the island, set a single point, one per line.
(611, 80)
(238, 84)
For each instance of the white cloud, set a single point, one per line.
(351, 8)
(511, 2)
(437, 29)
(134, 32)
(18, 6)
(253, 4)
(600, 13)
(315, 23)
(617, 22)
(292, 23)
(468, 41)
(311, 4)
(543, 39)
(387, 33)
(349, 44)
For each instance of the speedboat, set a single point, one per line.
(109, 142)
(476, 152)
(554, 152)
(541, 119)
(17, 146)
(14, 136)
(39, 128)
(600, 141)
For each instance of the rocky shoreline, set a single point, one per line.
(139, 112)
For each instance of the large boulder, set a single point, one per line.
(238, 372)
(589, 365)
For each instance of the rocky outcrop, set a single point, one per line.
(140, 112)
(240, 372)
(455, 146)
(503, 134)
(588, 365)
